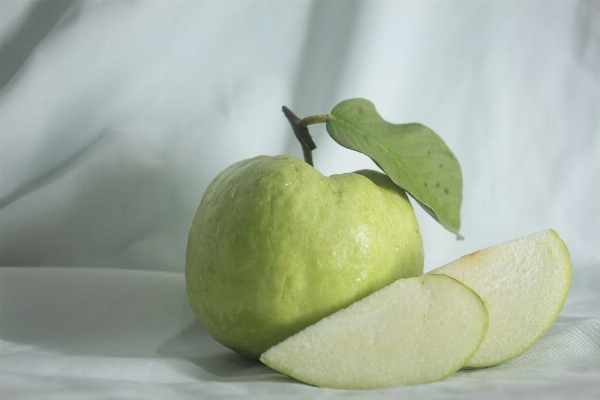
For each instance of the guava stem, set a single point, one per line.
(314, 119)
(307, 155)
(301, 132)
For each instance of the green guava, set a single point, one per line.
(275, 246)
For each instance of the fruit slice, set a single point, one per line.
(414, 331)
(524, 284)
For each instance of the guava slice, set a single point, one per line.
(524, 284)
(414, 331)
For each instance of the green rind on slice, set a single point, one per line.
(414, 331)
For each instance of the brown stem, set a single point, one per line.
(302, 135)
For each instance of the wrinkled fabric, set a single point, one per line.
(115, 116)
(114, 333)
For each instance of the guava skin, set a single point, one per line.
(276, 246)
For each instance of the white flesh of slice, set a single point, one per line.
(524, 284)
(413, 331)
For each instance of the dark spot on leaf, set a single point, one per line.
(360, 110)
(428, 152)
(437, 184)
(425, 184)
(446, 190)
(441, 165)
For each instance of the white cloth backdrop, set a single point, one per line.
(115, 116)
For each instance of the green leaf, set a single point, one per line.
(412, 155)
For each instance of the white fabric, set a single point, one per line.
(115, 116)
(75, 333)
